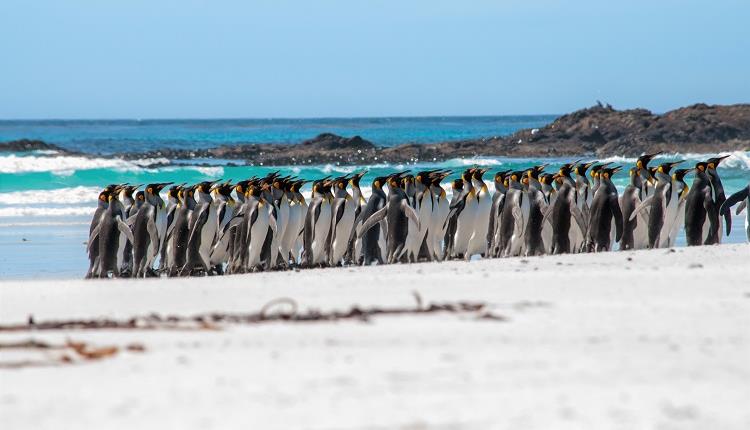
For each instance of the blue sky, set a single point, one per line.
(219, 59)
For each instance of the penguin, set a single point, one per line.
(605, 207)
(108, 232)
(456, 205)
(171, 205)
(466, 218)
(317, 224)
(510, 238)
(635, 230)
(647, 178)
(411, 247)
(533, 240)
(583, 187)
(659, 220)
(354, 250)
(676, 207)
(225, 207)
(288, 241)
(247, 193)
(743, 198)
(203, 225)
(147, 241)
(478, 239)
(180, 231)
(372, 239)
(563, 214)
(701, 213)
(260, 224)
(718, 196)
(498, 198)
(546, 180)
(441, 208)
(397, 212)
(342, 221)
(93, 242)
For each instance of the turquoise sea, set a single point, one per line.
(46, 199)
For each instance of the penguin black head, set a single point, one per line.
(458, 185)
(467, 174)
(607, 172)
(713, 163)
(438, 177)
(140, 196)
(354, 180)
(340, 182)
(701, 167)
(581, 168)
(104, 196)
(565, 170)
(241, 186)
(643, 160)
(378, 182)
(500, 176)
(539, 169)
(225, 189)
(515, 176)
(174, 191)
(667, 167)
(546, 178)
(477, 174)
(679, 174)
(155, 188)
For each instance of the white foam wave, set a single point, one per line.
(70, 195)
(330, 168)
(45, 211)
(479, 161)
(737, 159)
(42, 224)
(66, 165)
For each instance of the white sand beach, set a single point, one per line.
(623, 340)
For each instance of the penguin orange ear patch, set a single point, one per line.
(150, 190)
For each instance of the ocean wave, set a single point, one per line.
(66, 165)
(736, 160)
(31, 211)
(70, 195)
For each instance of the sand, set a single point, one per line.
(624, 340)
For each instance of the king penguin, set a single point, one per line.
(701, 213)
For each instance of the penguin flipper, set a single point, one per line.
(125, 229)
(617, 213)
(735, 198)
(372, 220)
(93, 235)
(153, 234)
(202, 218)
(410, 213)
(741, 207)
(578, 216)
(644, 204)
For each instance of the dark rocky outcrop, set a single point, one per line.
(596, 131)
(24, 145)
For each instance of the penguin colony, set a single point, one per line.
(213, 228)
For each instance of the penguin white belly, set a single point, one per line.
(478, 240)
(438, 226)
(343, 230)
(416, 236)
(320, 236)
(258, 232)
(297, 246)
(208, 233)
(640, 233)
(282, 222)
(161, 230)
(290, 232)
(465, 226)
(516, 240)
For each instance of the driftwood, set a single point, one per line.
(70, 352)
(277, 310)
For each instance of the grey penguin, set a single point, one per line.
(533, 241)
(718, 195)
(147, 243)
(701, 213)
(108, 231)
(563, 213)
(634, 231)
(657, 203)
(498, 198)
(371, 249)
(317, 225)
(743, 198)
(179, 232)
(397, 212)
(202, 230)
(93, 242)
(605, 207)
(510, 239)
